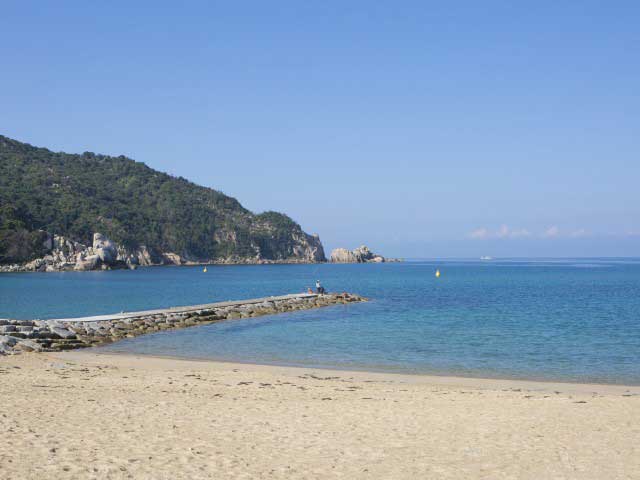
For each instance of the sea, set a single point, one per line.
(574, 320)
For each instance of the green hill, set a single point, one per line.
(44, 193)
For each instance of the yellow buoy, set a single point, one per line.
(205, 270)
(437, 273)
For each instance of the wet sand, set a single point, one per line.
(86, 415)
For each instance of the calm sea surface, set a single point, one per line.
(570, 319)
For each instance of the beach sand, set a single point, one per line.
(85, 415)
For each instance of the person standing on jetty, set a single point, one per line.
(319, 288)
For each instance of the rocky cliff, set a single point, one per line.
(64, 254)
(53, 204)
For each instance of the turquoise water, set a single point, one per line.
(571, 320)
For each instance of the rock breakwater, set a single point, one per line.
(18, 336)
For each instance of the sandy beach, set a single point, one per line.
(86, 415)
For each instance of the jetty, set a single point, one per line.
(18, 336)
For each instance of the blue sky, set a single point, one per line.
(431, 129)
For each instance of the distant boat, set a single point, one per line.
(205, 270)
(486, 258)
(437, 273)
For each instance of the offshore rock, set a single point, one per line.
(362, 254)
(342, 255)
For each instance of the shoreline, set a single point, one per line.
(21, 268)
(81, 414)
(402, 377)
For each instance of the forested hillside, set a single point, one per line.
(44, 192)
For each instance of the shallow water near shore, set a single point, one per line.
(574, 320)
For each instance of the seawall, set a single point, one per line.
(18, 336)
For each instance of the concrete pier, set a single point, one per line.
(184, 309)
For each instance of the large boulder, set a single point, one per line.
(25, 345)
(89, 262)
(361, 254)
(35, 265)
(342, 255)
(6, 344)
(105, 249)
(143, 256)
(172, 258)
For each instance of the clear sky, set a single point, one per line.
(423, 129)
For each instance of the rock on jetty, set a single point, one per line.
(18, 336)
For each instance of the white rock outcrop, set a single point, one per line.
(342, 255)
(64, 254)
(105, 249)
(362, 254)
